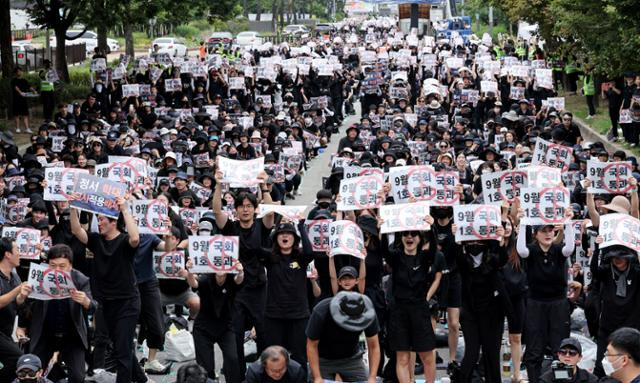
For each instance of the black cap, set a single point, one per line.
(573, 343)
(112, 136)
(348, 271)
(324, 194)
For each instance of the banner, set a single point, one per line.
(345, 237)
(48, 283)
(60, 182)
(502, 186)
(213, 254)
(318, 233)
(168, 264)
(241, 172)
(151, 216)
(544, 206)
(360, 193)
(98, 195)
(26, 239)
(477, 222)
(404, 217)
(609, 177)
(552, 155)
(620, 229)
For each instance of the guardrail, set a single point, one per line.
(33, 59)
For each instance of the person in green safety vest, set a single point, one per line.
(589, 90)
(572, 72)
(47, 91)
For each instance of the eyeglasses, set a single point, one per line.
(246, 207)
(568, 352)
(410, 234)
(608, 355)
(566, 119)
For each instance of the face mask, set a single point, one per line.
(324, 205)
(475, 249)
(98, 88)
(440, 213)
(608, 366)
(28, 380)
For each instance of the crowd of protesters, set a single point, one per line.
(421, 101)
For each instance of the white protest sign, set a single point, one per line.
(130, 90)
(542, 176)
(318, 233)
(236, 83)
(404, 217)
(412, 181)
(544, 206)
(502, 186)
(609, 177)
(57, 143)
(60, 183)
(293, 213)
(168, 264)
(151, 216)
(26, 239)
(625, 116)
(454, 62)
(488, 86)
(620, 229)
(345, 237)
(98, 64)
(552, 155)
(241, 172)
(544, 78)
(444, 183)
(555, 102)
(49, 283)
(516, 93)
(213, 254)
(172, 85)
(203, 193)
(476, 222)
(360, 193)
(352, 171)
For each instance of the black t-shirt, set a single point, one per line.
(547, 272)
(334, 341)
(215, 300)
(114, 277)
(448, 245)
(8, 313)
(252, 241)
(412, 275)
(286, 290)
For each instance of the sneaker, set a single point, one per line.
(28, 130)
(18, 130)
(453, 368)
(155, 367)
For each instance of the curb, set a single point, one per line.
(589, 134)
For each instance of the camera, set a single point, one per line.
(561, 372)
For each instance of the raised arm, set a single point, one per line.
(569, 240)
(216, 202)
(362, 276)
(333, 275)
(521, 244)
(76, 228)
(129, 222)
(591, 205)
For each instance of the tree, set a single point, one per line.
(6, 53)
(58, 15)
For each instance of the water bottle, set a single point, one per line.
(506, 359)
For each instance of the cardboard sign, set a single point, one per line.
(151, 216)
(477, 222)
(26, 239)
(213, 254)
(404, 217)
(360, 193)
(168, 264)
(609, 177)
(552, 155)
(502, 186)
(293, 213)
(620, 229)
(345, 237)
(318, 233)
(48, 283)
(544, 206)
(60, 182)
(241, 172)
(98, 195)
(542, 176)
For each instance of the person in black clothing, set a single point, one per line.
(12, 294)
(352, 135)
(20, 108)
(287, 307)
(548, 313)
(615, 287)
(333, 334)
(91, 107)
(113, 147)
(570, 353)
(249, 305)
(213, 323)
(115, 285)
(613, 95)
(275, 365)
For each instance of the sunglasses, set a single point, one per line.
(568, 352)
(26, 374)
(410, 234)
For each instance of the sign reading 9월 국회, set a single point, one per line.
(609, 177)
(503, 186)
(168, 264)
(360, 193)
(552, 155)
(214, 254)
(476, 222)
(345, 237)
(544, 206)
(98, 195)
(151, 216)
(620, 229)
(49, 283)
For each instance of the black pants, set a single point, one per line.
(72, 353)
(591, 105)
(572, 78)
(9, 355)
(290, 334)
(548, 323)
(120, 318)
(204, 337)
(482, 330)
(48, 104)
(248, 311)
(614, 116)
(151, 315)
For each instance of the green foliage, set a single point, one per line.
(187, 31)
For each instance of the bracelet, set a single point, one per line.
(265, 190)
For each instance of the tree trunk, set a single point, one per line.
(282, 11)
(61, 53)
(245, 8)
(274, 16)
(258, 11)
(128, 39)
(6, 53)
(102, 38)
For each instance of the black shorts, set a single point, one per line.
(515, 316)
(410, 328)
(450, 291)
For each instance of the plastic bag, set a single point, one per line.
(179, 346)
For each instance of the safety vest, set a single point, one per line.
(570, 68)
(588, 87)
(520, 51)
(499, 51)
(46, 86)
